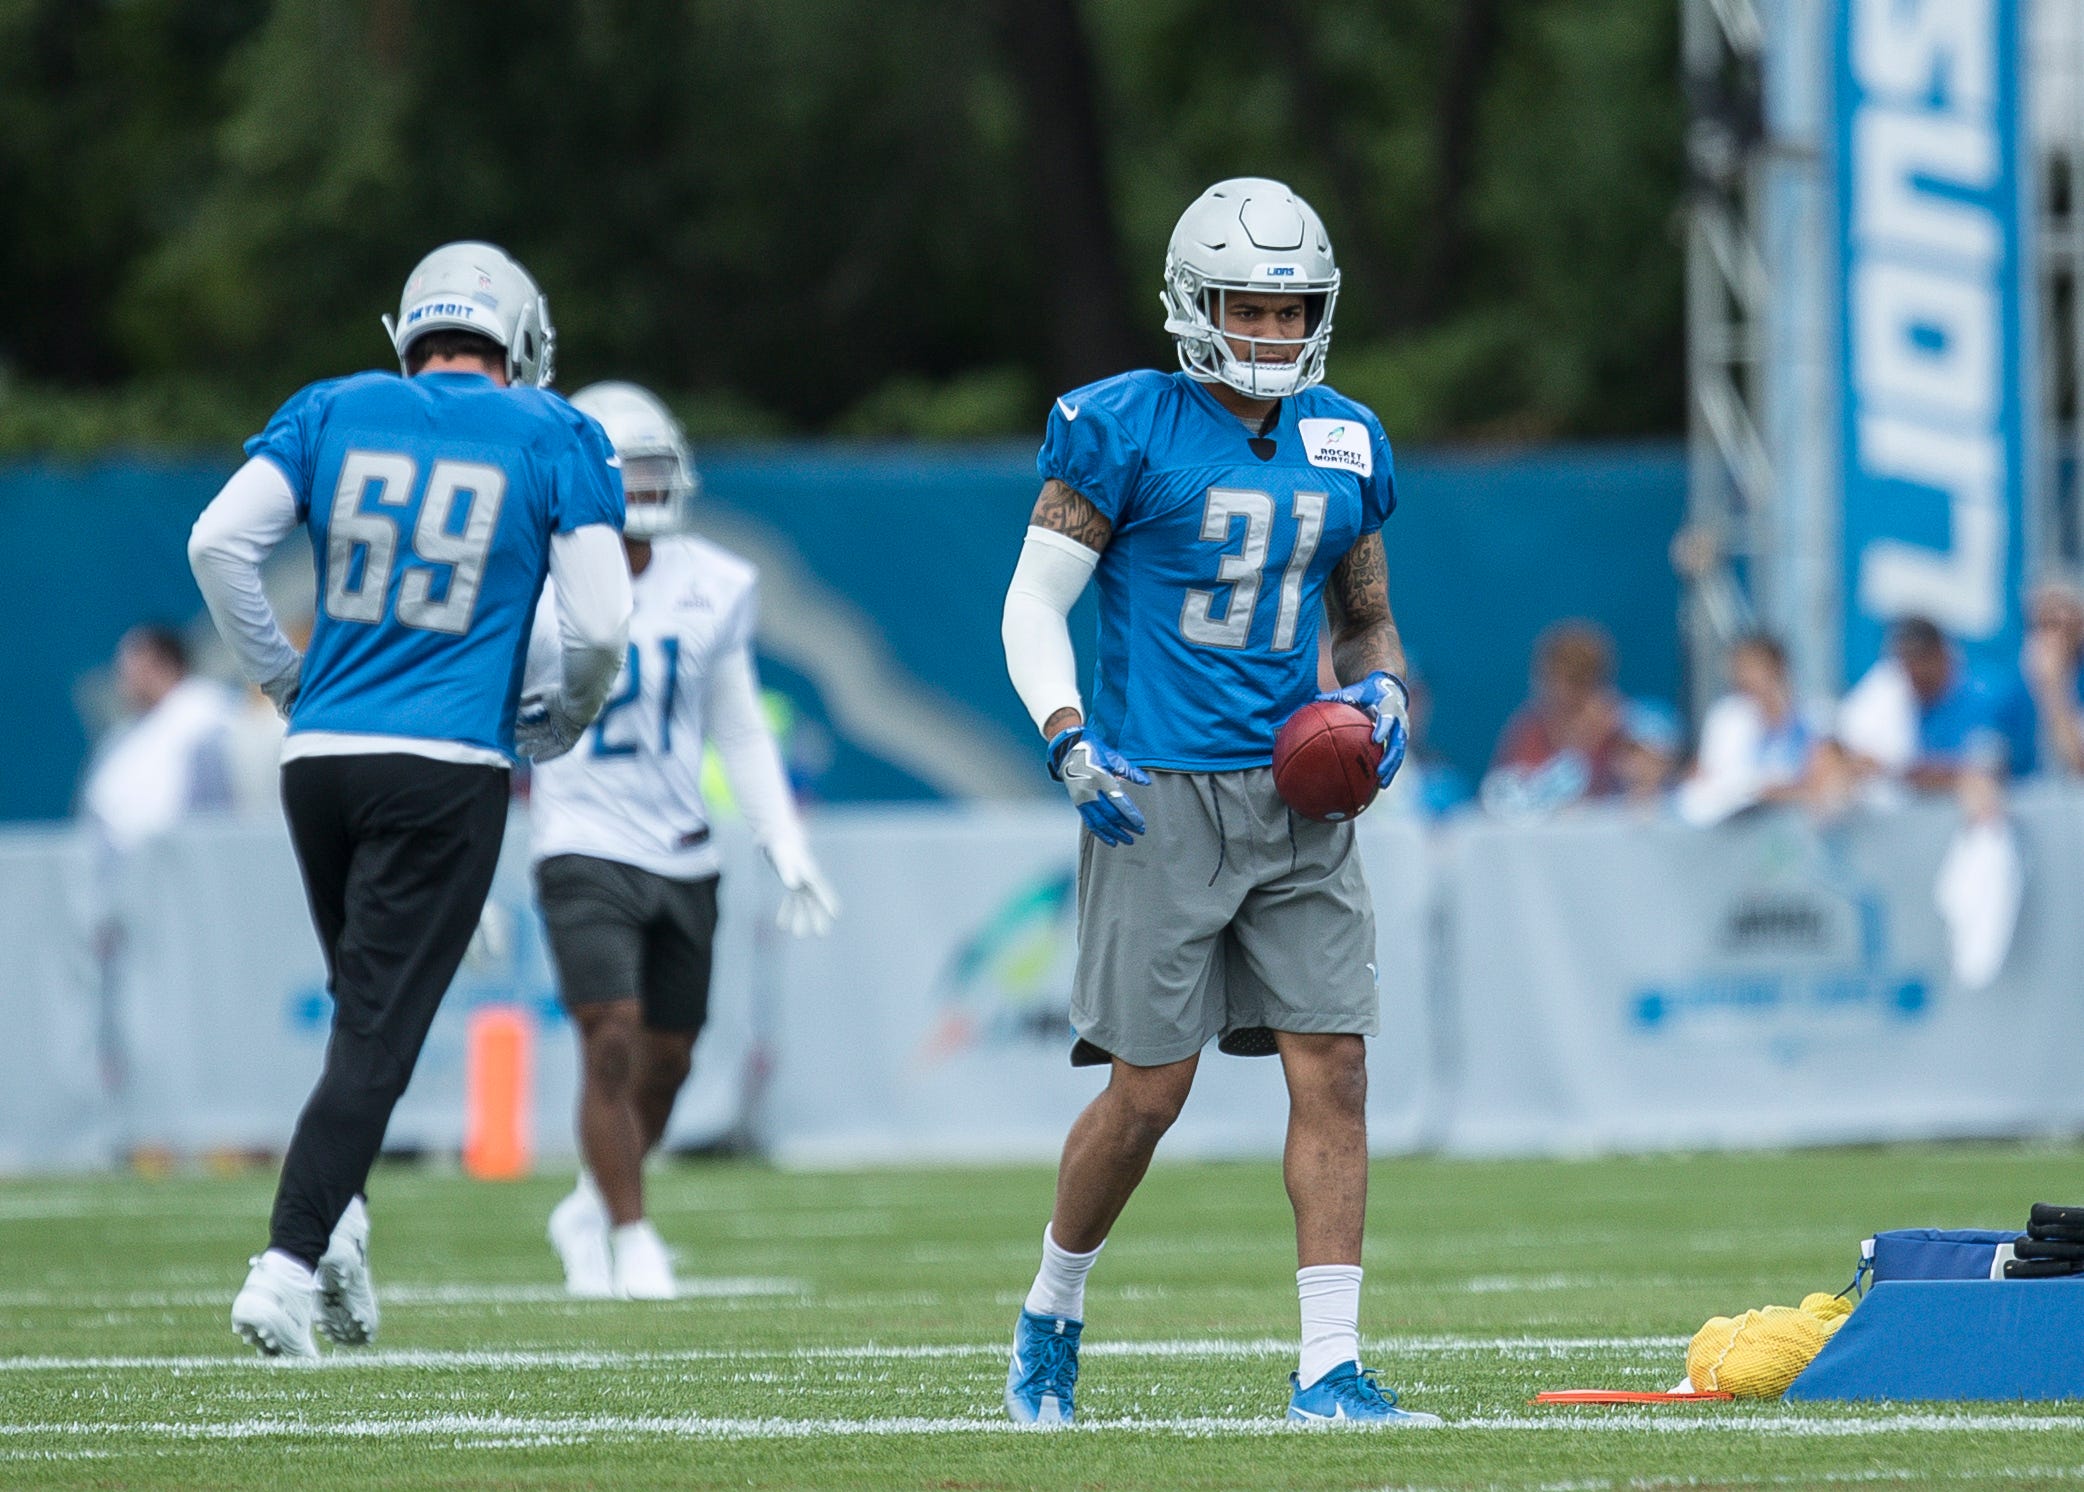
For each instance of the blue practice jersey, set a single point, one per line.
(1212, 585)
(431, 502)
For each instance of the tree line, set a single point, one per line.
(902, 218)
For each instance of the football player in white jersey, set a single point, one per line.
(626, 871)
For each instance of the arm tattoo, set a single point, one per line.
(1062, 510)
(1356, 601)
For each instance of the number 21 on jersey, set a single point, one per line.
(362, 543)
(630, 693)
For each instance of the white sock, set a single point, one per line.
(1059, 1288)
(1330, 1296)
(638, 1232)
(289, 1267)
(589, 1191)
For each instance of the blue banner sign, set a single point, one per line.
(1937, 401)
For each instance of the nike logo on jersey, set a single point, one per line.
(615, 461)
(1070, 411)
(1342, 445)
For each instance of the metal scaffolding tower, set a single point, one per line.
(1761, 547)
(2057, 73)
(1730, 474)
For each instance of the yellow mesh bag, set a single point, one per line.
(1758, 1354)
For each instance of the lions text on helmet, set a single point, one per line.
(478, 287)
(659, 481)
(1249, 287)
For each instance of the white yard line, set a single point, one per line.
(691, 1288)
(506, 1429)
(1911, 1476)
(1827, 1424)
(580, 1360)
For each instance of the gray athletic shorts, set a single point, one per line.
(620, 933)
(1232, 918)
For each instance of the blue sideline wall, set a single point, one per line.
(907, 551)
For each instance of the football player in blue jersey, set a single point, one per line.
(436, 505)
(1218, 507)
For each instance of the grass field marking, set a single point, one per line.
(591, 1427)
(582, 1359)
(1860, 1420)
(1898, 1476)
(744, 1287)
(689, 1287)
(477, 1429)
(70, 1453)
(1529, 1284)
(1912, 1475)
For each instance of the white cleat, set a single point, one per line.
(347, 1311)
(273, 1309)
(643, 1268)
(579, 1233)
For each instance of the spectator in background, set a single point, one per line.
(170, 759)
(1565, 743)
(1652, 745)
(167, 762)
(1917, 714)
(1755, 745)
(2041, 709)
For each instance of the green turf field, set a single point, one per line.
(848, 1330)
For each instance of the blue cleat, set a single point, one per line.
(1044, 1370)
(1349, 1395)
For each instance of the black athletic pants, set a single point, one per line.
(397, 853)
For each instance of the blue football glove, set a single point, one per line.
(1387, 702)
(1093, 772)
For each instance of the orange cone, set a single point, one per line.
(498, 1081)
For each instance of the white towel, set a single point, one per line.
(1879, 718)
(1981, 882)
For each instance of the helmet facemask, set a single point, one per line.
(659, 481)
(658, 493)
(1249, 235)
(1211, 354)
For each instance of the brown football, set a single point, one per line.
(1325, 759)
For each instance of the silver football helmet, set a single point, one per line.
(478, 287)
(1249, 233)
(659, 481)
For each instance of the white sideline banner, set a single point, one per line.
(1593, 984)
(226, 1011)
(55, 1107)
(1617, 985)
(935, 1022)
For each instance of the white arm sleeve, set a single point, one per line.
(1052, 574)
(731, 709)
(255, 511)
(591, 573)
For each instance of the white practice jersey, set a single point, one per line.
(631, 790)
